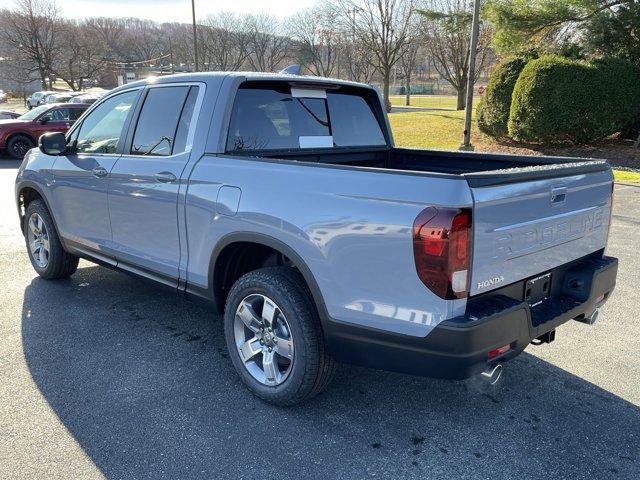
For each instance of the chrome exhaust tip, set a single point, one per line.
(591, 319)
(492, 374)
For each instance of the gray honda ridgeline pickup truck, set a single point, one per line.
(282, 201)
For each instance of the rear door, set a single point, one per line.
(144, 184)
(526, 228)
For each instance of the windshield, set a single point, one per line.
(32, 114)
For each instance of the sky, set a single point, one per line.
(175, 10)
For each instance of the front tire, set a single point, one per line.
(18, 146)
(274, 337)
(48, 257)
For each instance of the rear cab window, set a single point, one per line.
(278, 116)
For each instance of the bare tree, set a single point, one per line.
(109, 31)
(143, 41)
(408, 64)
(359, 62)
(223, 41)
(385, 28)
(178, 45)
(447, 27)
(81, 56)
(30, 29)
(318, 39)
(267, 47)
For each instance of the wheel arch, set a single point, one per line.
(20, 133)
(259, 240)
(26, 193)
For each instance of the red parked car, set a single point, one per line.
(21, 134)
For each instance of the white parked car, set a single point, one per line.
(60, 97)
(37, 98)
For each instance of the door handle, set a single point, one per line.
(99, 172)
(165, 177)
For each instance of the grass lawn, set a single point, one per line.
(626, 177)
(442, 130)
(426, 101)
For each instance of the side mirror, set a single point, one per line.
(45, 119)
(53, 143)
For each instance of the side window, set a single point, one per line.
(59, 115)
(157, 126)
(75, 113)
(180, 144)
(101, 130)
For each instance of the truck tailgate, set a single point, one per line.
(524, 228)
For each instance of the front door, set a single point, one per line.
(144, 183)
(80, 178)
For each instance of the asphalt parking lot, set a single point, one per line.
(103, 375)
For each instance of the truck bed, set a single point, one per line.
(480, 169)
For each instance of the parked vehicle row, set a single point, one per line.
(18, 135)
(283, 202)
(50, 97)
(48, 112)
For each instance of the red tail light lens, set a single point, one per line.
(442, 250)
(498, 351)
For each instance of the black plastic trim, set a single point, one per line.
(458, 348)
(268, 241)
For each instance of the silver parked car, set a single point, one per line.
(283, 202)
(87, 98)
(60, 97)
(37, 98)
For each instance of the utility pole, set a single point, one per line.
(195, 35)
(475, 32)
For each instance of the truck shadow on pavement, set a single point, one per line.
(141, 379)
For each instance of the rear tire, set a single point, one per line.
(295, 343)
(18, 146)
(48, 257)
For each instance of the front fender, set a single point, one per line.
(35, 172)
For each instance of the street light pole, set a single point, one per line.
(195, 36)
(475, 32)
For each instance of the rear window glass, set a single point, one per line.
(352, 121)
(156, 129)
(272, 119)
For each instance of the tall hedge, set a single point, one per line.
(495, 105)
(557, 100)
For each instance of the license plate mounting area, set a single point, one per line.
(537, 289)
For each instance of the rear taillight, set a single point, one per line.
(442, 250)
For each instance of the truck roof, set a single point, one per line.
(246, 76)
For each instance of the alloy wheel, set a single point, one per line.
(38, 239)
(264, 339)
(20, 148)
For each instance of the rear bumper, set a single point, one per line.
(458, 348)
